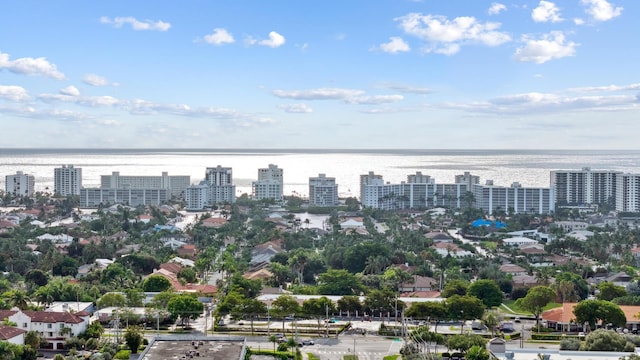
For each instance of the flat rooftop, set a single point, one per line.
(188, 347)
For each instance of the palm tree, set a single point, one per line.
(19, 299)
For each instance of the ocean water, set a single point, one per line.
(528, 167)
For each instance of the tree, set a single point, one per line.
(318, 308)
(133, 338)
(338, 282)
(604, 340)
(161, 300)
(536, 299)
(111, 299)
(33, 339)
(610, 291)
(491, 320)
(156, 283)
(455, 287)
(36, 277)
(464, 307)
(94, 330)
(394, 277)
(477, 353)
(252, 307)
(463, 343)
(18, 298)
(66, 266)
(285, 305)
(186, 307)
(595, 311)
(382, 301)
(487, 291)
(430, 310)
(188, 275)
(350, 304)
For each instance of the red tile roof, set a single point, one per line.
(9, 332)
(53, 317)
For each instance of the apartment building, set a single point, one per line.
(67, 180)
(513, 199)
(628, 193)
(585, 186)
(94, 197)
(20, 184)
(216, 188)
(176, 184)
(269, 184)
(323, 191)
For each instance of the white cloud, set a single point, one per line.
(374, 99)
(275, 40)
(70, 91)
(395, 45)
(578, 21)
(542, 103)
(13, 93)
(608, 88)
(136, 24)
(496, 8)
(403, 88)
(97, 80)
(550, 46)
(89, 101)
(30, 66)
(601, 10)
(546, 12)
(296, 108)
(33, 113)
(447, 36)
(219, 36)
(318, 94)
(109, 122)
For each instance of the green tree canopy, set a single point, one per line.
(487, 291)
(455, 287)
(350, 303)
(536, 299)
(111, 299)
(465, 307)
(133, 338)
(156, 283)
(338, 282)
(599, 311)
(610, 291)
(186, 307)
(605, 340)
(427, 310)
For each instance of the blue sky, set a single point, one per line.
(424, 74)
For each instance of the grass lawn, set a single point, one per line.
(519, 311)
(350, 357)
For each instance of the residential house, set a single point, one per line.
(512, 269)
(420, 283)
(188, 251)
(214, 222)
(518, 241)
(563, 319)
(52, 325)
(439, 236)
(451, 249)
(12, 335)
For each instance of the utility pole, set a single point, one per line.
(354, 347)
(326, 321)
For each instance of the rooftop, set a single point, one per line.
(208, 348)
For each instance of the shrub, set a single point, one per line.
(570, 344)
(606, 340)
(123, 355)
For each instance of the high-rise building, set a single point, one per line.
(514, 199)
(586, 186)
(176, 184)
(468, 179)
(219, 176)
(20, 184)
(418, 178)
(323, 191)
(269, 184)
(94, 197)
(628, 193)
(67, 180)
(368, 179)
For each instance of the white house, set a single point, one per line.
(51, 325)
(518, 241)
(12, 335)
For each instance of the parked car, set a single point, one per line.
(307, 342)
